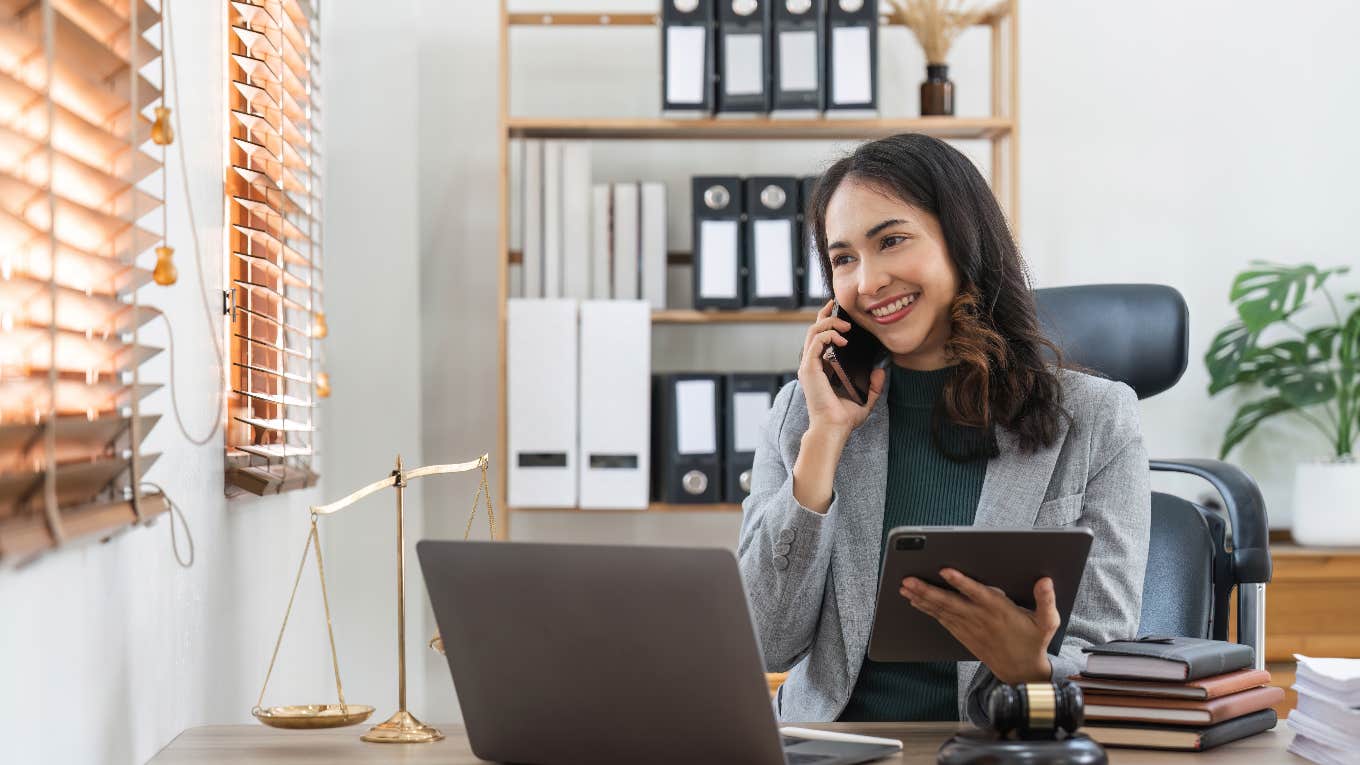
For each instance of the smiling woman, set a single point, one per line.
(967, 416)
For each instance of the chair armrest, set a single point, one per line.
(1246, 513)
(1251, 566)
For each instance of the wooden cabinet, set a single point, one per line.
(1312, 608)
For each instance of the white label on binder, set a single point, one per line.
(685, 65)
(744, 65)
(773, 269)
(816, 285)
(749, 412)
(695, 418)
(718, 250)
(797, 61)
(850, 65)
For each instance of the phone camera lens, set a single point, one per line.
(911, 543)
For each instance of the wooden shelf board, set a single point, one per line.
(651, 19)
(672, 258)
(629, 128)
(655, 507)
(744, 316)
(583, 19)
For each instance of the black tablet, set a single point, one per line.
(1010, 559)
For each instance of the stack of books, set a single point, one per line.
(1175, 693)
(1326, 722)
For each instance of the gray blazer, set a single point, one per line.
(812, 579)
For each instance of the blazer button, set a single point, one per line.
(782, 548)
(781, 562)
(787, 535)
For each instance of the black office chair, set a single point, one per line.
(1138, 334)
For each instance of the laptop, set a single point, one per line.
(565, 654)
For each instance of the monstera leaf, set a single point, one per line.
(1349, 350)
(1323, 341)
(1225, 355)
(1269, 293)
(1248, 417)
(1301, 386)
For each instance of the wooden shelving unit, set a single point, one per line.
(1001, 129)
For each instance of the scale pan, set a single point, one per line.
(307, 716)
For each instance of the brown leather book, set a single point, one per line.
(1180, 711)
(1203, 689)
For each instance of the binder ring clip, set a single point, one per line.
(694, 482)
(773, 197)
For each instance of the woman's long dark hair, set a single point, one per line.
(1002, 377)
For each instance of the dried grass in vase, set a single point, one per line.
(936, 24)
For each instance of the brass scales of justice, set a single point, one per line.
(402, 727)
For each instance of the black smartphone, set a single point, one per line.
(848, 367)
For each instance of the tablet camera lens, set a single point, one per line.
(911, 543)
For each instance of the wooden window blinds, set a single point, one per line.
(274, 244)
(73, 151)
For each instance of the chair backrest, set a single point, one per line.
(1135, 333)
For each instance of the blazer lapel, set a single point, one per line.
(1014, 485)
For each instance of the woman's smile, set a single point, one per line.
(894, 309)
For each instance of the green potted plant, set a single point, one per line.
(1313, 375)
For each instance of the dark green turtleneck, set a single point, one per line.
(924, 489)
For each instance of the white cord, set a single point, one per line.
(174, 539)
(174, 396)
(198, 254)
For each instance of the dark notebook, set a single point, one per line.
(1166, 658)
(1146, 736)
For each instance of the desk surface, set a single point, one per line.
(213, 744)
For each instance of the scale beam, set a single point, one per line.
(406, 475)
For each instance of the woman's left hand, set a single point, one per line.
(1012, 641)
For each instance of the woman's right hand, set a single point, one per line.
(831, 418)
(828, 413)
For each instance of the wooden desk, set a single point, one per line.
(242, 744)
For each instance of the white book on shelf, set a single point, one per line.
(601, 242)
(552, 219)
(531, 240)
(652, 244)
(626, 241)
(576, 280)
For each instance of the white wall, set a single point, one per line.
(108, 651)
(373, 356)
(1162, 141)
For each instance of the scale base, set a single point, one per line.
(402, 728)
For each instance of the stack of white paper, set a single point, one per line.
(1326, 722)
